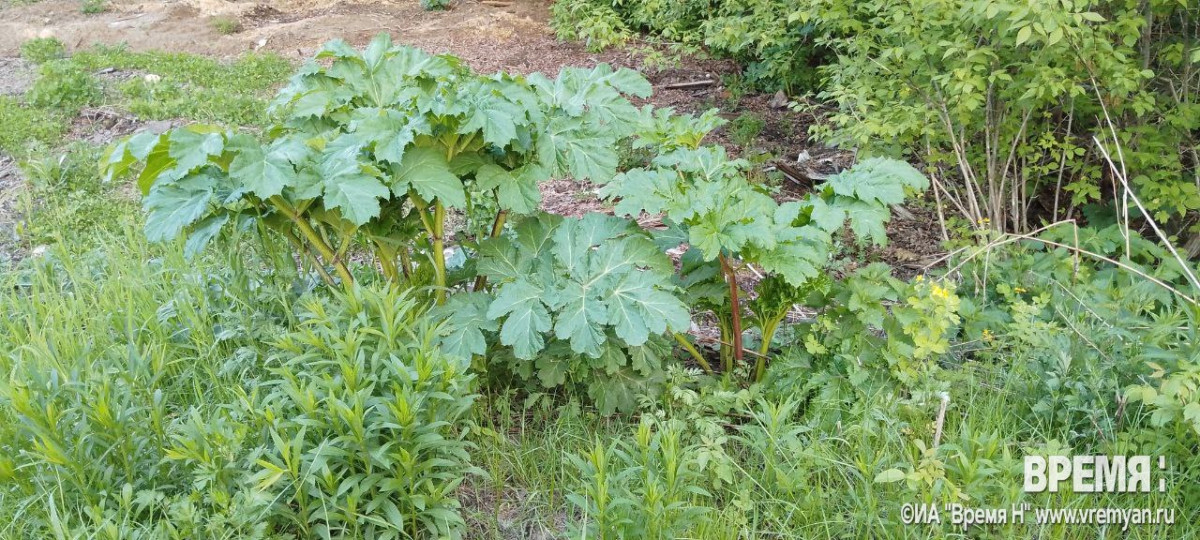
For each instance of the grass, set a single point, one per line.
(92, 7)
(225, 25)
(26, 126)
(744, 129)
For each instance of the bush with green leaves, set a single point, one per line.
(378, 147)
(1002, 101)
(577, 302)
(777, 51)
(1100, 339)
(374, 150)
(728, 222)
(365, 418)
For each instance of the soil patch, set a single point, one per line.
(11, 183)
(16, 76)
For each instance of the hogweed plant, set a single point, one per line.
(377, 152)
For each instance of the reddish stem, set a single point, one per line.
(735, 308)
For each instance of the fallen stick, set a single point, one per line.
(689, 84)
(800, 177)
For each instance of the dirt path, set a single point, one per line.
(513, 38)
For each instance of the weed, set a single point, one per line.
(92, 7)
(225, 25)
(745, 128)
(26, 126)
(42, 50)
(63, 85)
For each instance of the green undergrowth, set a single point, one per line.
(65, 197)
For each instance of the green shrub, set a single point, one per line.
(435, 5)
(108, 361)
(42, 50)
(777, 51)
(1002, 100)
(366, 422)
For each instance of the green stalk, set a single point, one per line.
(314, 239)
(691, 349)
(310, 257)
(769, 328)
(497, 228)
(439, 251)
(387, 262)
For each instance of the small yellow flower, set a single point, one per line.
(920, 278)
(1018, 290)
(939, 292)
(987, 335)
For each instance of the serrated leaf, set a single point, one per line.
(172, 207)
(499, 258)
(552, 371)
(427, 172)
(868, 221)
(120, 157)
(466, 320)
(581, 319)
(827, 217)
(567, 145)
(878, 179)
(636, 309)
(345, 184)
(261, 173)
(203, 233)
(526, 317)
(516, 190)
(575, 238)
(192, 146)
(492, 114)
(387, 130)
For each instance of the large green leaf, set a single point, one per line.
(466, 320)
(636, 308)
(263, 173)
(193, 146)
(203, 233)
(428, 173)
(172, 207)
(389, 131)
(516, 190)
(878, 179)
(526, 317)
(345, 183)
(581, 319)
(568, 145)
